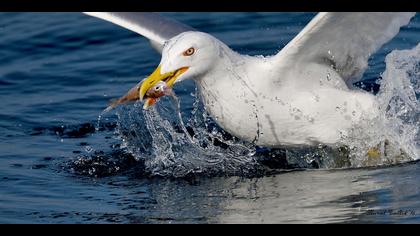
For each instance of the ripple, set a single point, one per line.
(101, 164)
(73, 131)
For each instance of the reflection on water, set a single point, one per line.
(313, 197)
(295, 197)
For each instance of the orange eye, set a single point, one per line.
(189, 52)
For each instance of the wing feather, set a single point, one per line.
(155, 27)
(344, 40)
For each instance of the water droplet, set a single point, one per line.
(328, 77)
(98, 122)
(89, 149)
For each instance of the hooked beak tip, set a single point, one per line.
(169, 78)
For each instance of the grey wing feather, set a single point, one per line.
(155, 27)
(345, 40)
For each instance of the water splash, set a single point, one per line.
(171, 148)
(397, 127)
(98, 122)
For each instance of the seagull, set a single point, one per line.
(301, 96)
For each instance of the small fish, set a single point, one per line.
(152, 95)
(159, 90)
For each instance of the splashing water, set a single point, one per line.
(400, 95)
(170, 148)
(397, 127)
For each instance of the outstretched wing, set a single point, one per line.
(344, 40)
(153, 26)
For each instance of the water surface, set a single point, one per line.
(59, 164)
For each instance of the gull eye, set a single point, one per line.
(189, 52)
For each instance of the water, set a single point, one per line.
(62, 161)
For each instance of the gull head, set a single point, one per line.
(189, 55)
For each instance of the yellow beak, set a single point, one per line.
(169, 78)
(139, 91)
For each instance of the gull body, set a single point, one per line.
(301, 96)
(255, 100)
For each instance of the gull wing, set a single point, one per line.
(344, 40)
(155, 27)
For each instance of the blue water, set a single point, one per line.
(59, 164)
